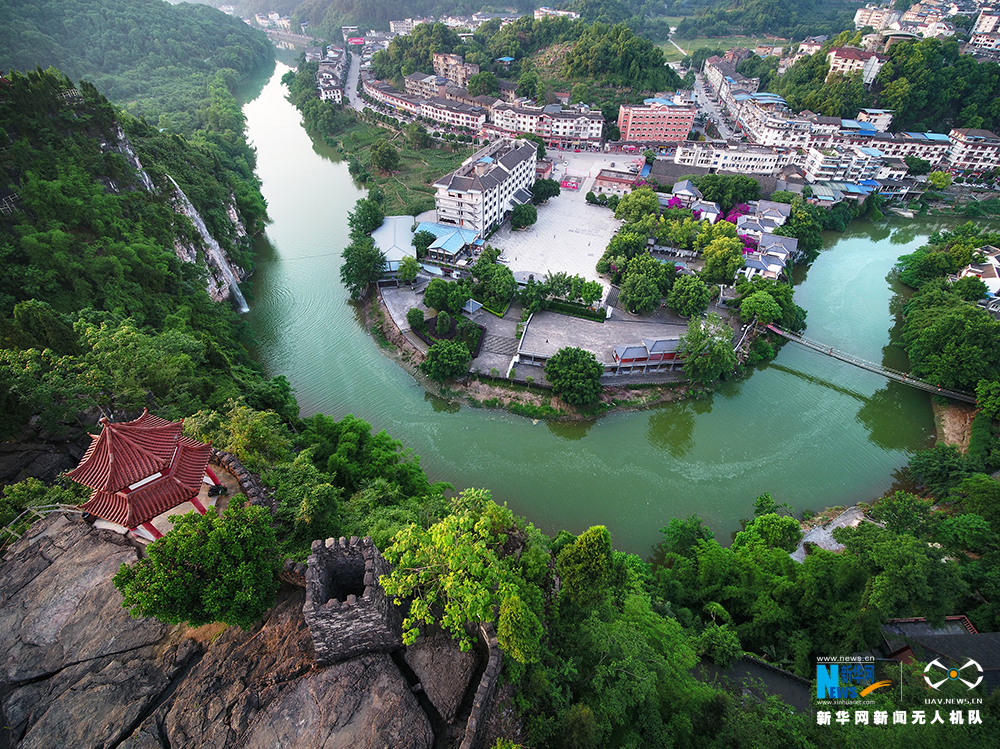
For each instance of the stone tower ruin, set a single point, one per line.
(346, 610)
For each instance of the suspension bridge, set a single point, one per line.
(891, 374)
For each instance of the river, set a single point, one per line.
(812, 431)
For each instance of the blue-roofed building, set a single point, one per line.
(449, 242)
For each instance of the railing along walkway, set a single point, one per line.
(892, 374)
(19, 525)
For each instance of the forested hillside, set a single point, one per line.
(154, 58)
(928, 85)
(96, 309)
(792, 19)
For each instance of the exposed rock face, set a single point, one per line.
(443, 670)
(353, 705)
(76, 671)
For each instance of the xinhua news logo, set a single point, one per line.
(851, 680)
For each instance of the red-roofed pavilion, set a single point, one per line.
(140, 469)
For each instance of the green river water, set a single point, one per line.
(811, 430)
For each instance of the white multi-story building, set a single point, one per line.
(880, 119)
(836, 163)
(848, 60)
(876, 16)
(973, 150)
(768, 123)
(545, 12)
(740, 159)
(987, 22)
(481, 193)
(572, 127)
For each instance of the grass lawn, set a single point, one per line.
(671, 54)
(408, 188)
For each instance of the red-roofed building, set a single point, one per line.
(140, 469)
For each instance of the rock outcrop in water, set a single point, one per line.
(75, 670)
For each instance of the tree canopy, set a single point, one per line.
(207, 569)
(575, 376)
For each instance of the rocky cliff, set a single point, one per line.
(76, 671)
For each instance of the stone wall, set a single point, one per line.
(475, 729)
(249, 482)
(347, 611)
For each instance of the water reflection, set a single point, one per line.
(442, 405)
(891, 420)
(671, 427)
(570, 430)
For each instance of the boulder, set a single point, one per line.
(443, 670)
(363, 703)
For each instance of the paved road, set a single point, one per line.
(351, 88)
(708, 106)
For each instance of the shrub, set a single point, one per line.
(415, 319)
(443, 326)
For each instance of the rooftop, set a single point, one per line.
(547, 332)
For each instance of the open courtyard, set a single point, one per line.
(570, 235)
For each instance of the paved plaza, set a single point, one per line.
(570, 235)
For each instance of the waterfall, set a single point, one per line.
(215, 252)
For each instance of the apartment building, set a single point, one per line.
(481, 193)
(848, 61)
(876, 16)
(454, 68)
(421, 84)
(973, 150)
(739, 159)
(545, 12)
(988, 21)
(880, 119)
(767, 122)
(658, 120)
(836, 163)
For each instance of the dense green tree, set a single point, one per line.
(443, 325)
(483, 84)
(939, 180)
(206, 569)
(728, 189)
(519, 632)
(409, 267)
(585, 565)
(637, 205)
(415, 319)
(939, 469)
(916, 166)
(575, 376)
(543, 189)
(446, 360)
(689, 296)
(363, 264)
(366, 217)
(455, 567)
(417, 136)
(523, 215)
(421, 241)
(707, 348)
(970, 288)
(384, 156)
(639, 293)
(988, 398)
(723, 257)
(760, 305)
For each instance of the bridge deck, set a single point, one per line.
(892, 374)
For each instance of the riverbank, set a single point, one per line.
(522, 397)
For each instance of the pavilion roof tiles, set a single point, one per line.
(126, 452)
(140, 469)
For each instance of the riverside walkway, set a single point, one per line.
(892, 374)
